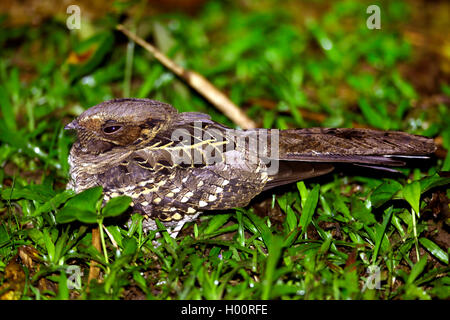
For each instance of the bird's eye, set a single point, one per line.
(111, 129)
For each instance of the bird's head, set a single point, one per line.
(120, 123)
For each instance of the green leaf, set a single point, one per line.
(49, 245)
(417, 269)
(405, 88)
(4, 236)
(374, 118)
(21, 142)
(82, 207)
(274, 248)
(326, 244)
(411, 193)
(54, 202)
(250, 225)
(434, 249)
(361, 212)
(37, 236)
(283, 202)
(40, 193)
(167, 238)
(325, 206)
(140, 280)
(149, 82)
(116, 206)
(7, 109)
(380, 231)
(100, 44)
(435, 180)
(86, 200)
(136, 222)
(62, 244)
(396, 222)
(129, 246)
(291, 218)
(63, 290)
(340, 206)
(309, 208)
(69, 214)
(303, 192)
(446, 164)
(216, 222)
(262, 227)
(291, 237)
(115, 233)
(384, 192)
(195, 231)
(241, 234)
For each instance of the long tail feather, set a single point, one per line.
(306, 153)
(352, 145)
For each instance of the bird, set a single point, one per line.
(175, 166)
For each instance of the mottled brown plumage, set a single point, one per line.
(133, 147)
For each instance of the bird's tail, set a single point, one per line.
(365, 146)
(305, 153)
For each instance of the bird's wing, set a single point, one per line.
(193, 140)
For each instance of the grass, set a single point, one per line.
(349, 235)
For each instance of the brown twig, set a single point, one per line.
(198, 82)
(94, 270)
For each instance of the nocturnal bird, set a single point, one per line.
(176, 165)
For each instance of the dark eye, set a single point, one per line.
(111, 129)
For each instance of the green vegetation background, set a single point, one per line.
(287, 64)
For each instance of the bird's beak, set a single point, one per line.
(72, 126)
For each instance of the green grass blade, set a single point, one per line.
(384, 192)
(417, 269)
(54, 202)
(262, 227)
(275, 249)
(241, 235)
(411, 193)
(7, 110)
(372, 116)
(216, 222)
(291, 218)
(63, 290)
(49, 245)
(303, 192)
(380, 231)
(309, 208)
(434, 249)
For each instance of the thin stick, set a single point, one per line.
(198, 82)
(94, 271)
(114, 243)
